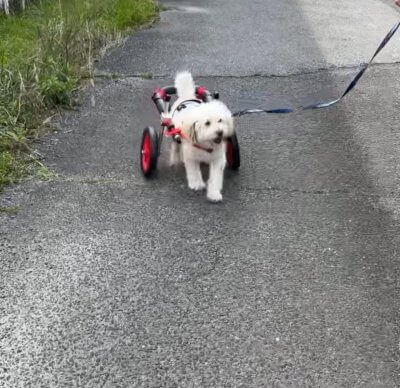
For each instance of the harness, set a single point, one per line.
(186, 104)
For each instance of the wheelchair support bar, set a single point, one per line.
(161, 95)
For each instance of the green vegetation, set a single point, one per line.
(147, 75)
(9, 210)
(44, 53)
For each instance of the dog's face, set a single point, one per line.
(213, 122)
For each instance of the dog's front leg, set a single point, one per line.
(193, 173)
(175, 154)
(215, 182)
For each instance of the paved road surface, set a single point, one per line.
(293, 281)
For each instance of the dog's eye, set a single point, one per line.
(208, 123)
(220, 120)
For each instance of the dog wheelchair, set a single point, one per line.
(150, 148)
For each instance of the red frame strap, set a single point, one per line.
(166, 122)
(200, 92)
(174, 131)
(161, 93)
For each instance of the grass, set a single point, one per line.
(147, 75)
(44, 53)
(9, 209)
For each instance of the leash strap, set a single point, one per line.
(327, 104)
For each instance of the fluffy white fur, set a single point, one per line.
(207, 124)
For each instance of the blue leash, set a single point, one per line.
(328, 104)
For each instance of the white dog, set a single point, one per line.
(205, 126)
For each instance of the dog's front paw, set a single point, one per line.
(197, 186)
(214, 196)
(174, 160)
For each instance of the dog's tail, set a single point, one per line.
(184, 84)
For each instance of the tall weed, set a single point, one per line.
(44, 52)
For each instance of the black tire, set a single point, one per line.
(149, 152)
(232, 153)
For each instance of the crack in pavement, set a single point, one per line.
(124, 182)
(122, 76)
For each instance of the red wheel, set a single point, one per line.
(149, 151)
(232, 153)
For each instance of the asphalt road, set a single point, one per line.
(293, 281)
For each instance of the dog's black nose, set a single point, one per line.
(220, 133)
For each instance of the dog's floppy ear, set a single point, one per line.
(231, 125)
(191, 132)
